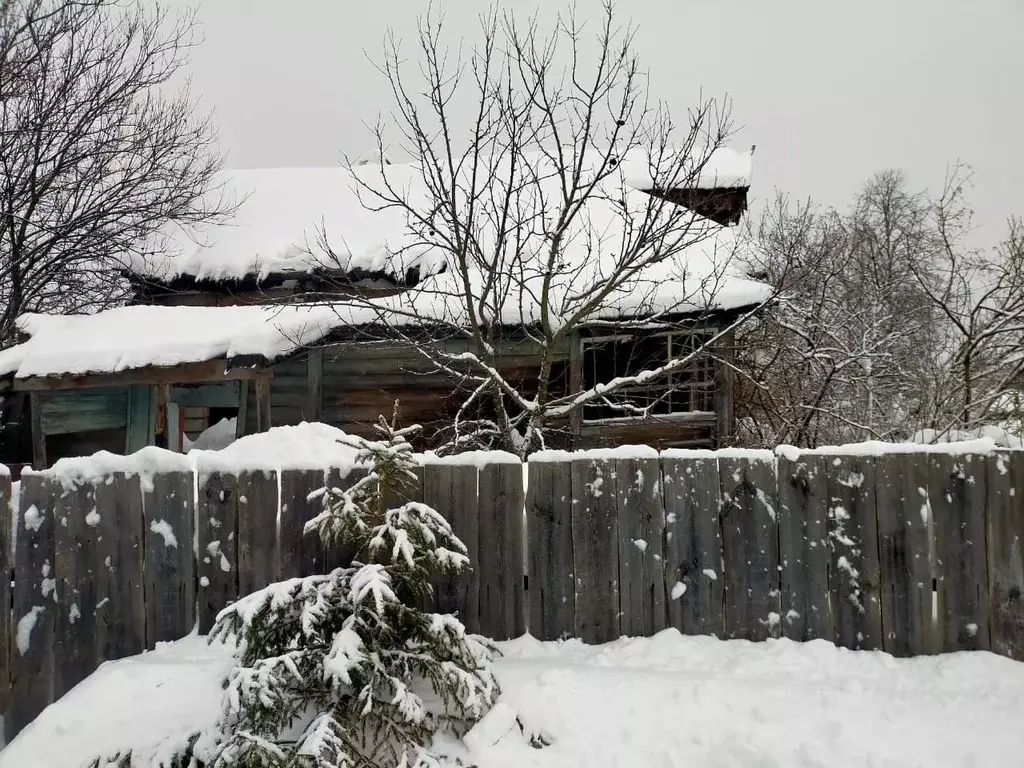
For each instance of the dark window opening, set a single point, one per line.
(687, 389)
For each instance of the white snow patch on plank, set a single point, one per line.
(27, 623)
(163, 529)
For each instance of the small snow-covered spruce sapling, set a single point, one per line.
(344, 669)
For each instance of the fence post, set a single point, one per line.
(6, 556)
(259, 556)
(550, 548)
(169, 509)
(902, 506)
(83, 583)
(750, 545)
(119, 497)
(34, 604)
(853, 534)
(301, 554)
(595, 537)
(451, 489)
(502, 592)
(804, 547)
(959, 497)
(1006, 552)
(694, 578)
(217, 564)
(640, 512)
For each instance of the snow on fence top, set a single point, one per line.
(318, 447)
(304, 446)
(984, 446)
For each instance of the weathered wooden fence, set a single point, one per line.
(912, 553)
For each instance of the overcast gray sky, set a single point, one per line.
(830, 91)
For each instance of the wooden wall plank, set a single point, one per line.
(641, 526)
(694, 579)
(224, 394)
(595, 546)
(750, 546)
(958, 489)
(64, 412)
(901, 489)
(141, 419)
(84, 576)
(451, 489)
(6, 568)
(263, 416)
(170, 563)
(38, 436)
(35, 605)
(315, 384)
(259, 559)
(804, 551)
(549, 527)
(1006, 552)
(121, 538)
(853, 534)
(246, 419)
(217, 566)
(502, 593)
(301, 554)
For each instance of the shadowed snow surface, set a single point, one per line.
(659, 702)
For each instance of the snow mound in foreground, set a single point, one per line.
(663, 701)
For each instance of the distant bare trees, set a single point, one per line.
(95, 153)
(889, 323)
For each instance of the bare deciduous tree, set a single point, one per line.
(532, 206)
(888, 326)
(95, 157)
(978, 298)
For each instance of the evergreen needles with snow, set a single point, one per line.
(343, 669)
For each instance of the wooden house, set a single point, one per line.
(222, 330)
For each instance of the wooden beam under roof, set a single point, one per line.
(189, 373)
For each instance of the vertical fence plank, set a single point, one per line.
(502, 594)
(694, 578)
(959, 495)
(451, 489)
(82, 577)
(901, 488)
(750, 545)
(595, 537)
(34, 604)
(853, 534)
(1006, 553)
(217, 564)
(339, 479)
(6, 557)
(301, 554)
(170, 564)
(804, 548)
(549, 524)
(119, 505)
(258, 555)
(641, 525)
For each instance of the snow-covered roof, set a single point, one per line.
(133, 337)
(281, 212)
(695, 280)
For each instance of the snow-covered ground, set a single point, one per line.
(664, 701)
